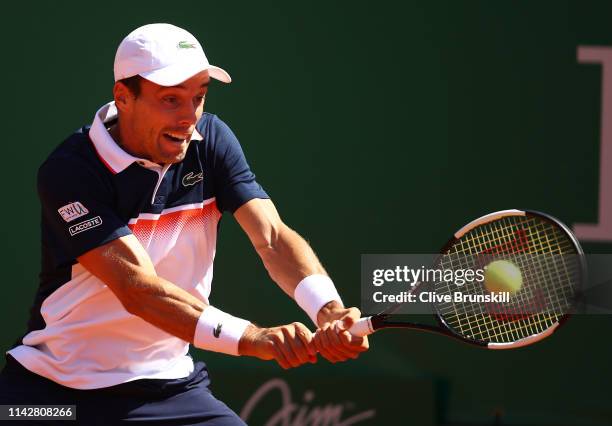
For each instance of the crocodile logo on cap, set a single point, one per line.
(186, 45)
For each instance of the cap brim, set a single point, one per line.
(177, 73)
(219, 74)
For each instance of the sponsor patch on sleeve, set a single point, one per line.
(72, 211)
(86, 225)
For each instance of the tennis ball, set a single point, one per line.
(503, 275)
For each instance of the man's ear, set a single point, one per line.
(123, 96)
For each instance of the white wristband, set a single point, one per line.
(219, 332)
(313, 292)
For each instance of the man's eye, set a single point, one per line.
(170, 100)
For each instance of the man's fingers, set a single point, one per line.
(294, 345)
(346, 323)
(273, 352)
(307, 339)
(283, 346)
(352, 316)
(345, 338)
(361, 344)
(324, 345)
(337, 347)
(318, 342)
(353, 343)
(333, 339)
(280, 358)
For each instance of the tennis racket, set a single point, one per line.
(552, 265)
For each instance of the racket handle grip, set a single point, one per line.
(362, 327)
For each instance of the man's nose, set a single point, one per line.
(187, 115)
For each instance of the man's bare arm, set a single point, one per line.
(125, 267)
(289, 259)
(285, 254)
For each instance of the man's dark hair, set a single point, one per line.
(133, 84)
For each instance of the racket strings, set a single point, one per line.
(545, 255)
(524, 307)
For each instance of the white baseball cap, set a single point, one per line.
(164, 54)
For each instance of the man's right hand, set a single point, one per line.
(289, 345)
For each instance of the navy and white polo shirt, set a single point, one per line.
(93, 192)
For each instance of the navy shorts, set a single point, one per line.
(183, 402)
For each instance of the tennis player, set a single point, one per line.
(130, 211)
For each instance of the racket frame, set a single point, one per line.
(384, 319)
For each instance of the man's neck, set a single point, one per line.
(115, 132)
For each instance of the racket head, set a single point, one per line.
(536, 242)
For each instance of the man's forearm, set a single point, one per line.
(288, 258)
(124, 266)
(177, 312)
(290, 261)
(166, 306)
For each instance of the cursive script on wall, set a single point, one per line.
(292, 413)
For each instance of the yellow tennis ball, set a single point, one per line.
(503, 275)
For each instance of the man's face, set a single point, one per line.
(159, 122)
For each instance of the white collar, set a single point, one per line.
(115, 158)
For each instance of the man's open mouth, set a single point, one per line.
(176, 137)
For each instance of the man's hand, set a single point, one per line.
(332, 340)
(289, 345)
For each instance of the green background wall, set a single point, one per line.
(376, 128)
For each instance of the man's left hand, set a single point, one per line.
(332, 339)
